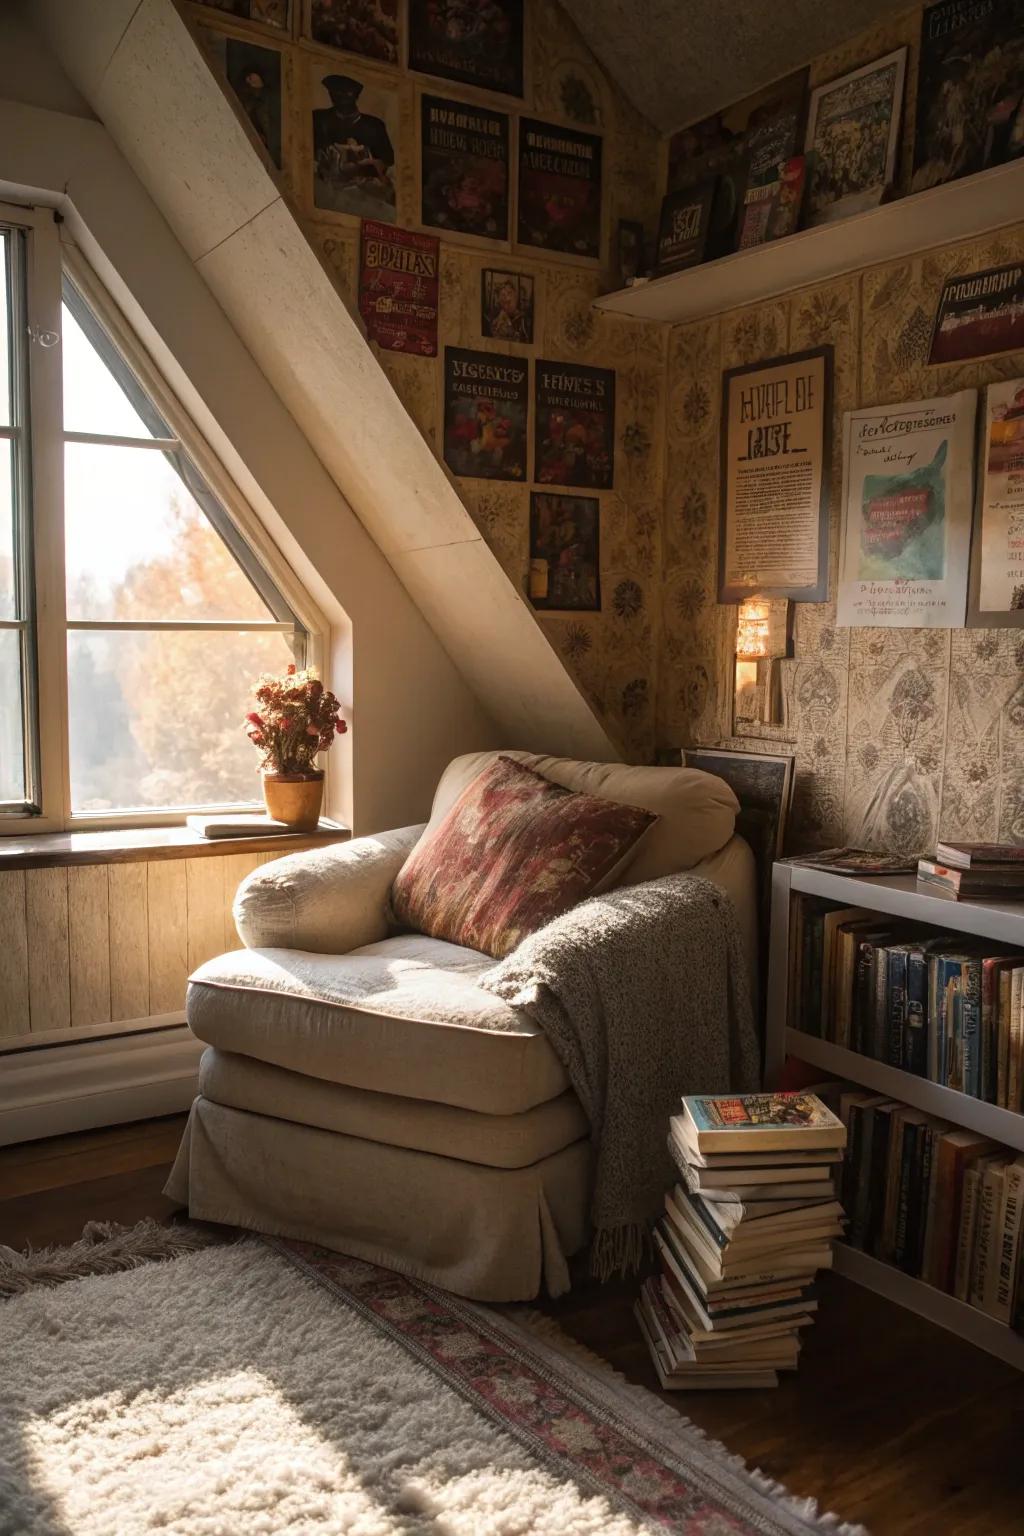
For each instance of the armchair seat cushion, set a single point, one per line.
(404, 1016)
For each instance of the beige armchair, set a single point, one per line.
(363, 1091)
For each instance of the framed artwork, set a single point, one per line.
(629, 252)
(398, 288)
(776, 457)
(970, 89)
(486, 403)
(366, 27)
(506, 305)
(574, 425)
(979, 314)
(559, 189)
(464, 169)
(355, 138)
(254, 74)
(853, 139)
(772, 208)
(683, 227)
(565, 552)
(996, 591)
(479, 45)
(266, 13)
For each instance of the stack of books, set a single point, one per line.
(971, 870)
(745, 1230)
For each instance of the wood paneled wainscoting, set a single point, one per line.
(99, 933)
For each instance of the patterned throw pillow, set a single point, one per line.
(513, 852)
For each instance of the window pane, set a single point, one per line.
(156, 720)
(12, 756)
(93, 399)
(5, 330)
(138, 546)
(8, 586)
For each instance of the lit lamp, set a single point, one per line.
(762, 637)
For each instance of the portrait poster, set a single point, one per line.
(506, 305)
(355, 142)
(266, 13)
(979, 314)
(254, 74)
(486, 403)
(477, 44)
(853, 139)
(559, 189)
(574, 425)
(398, 288)
(366, 27)
(776, 460)
(907, 497)
(565, 552)
(464, 168)
(997, 550)
(970, 97)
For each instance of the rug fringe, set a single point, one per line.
(103, 1248)
(670, 1419)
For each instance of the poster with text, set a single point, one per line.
(776, 454)
(574, 425)
(979, 314)
(398, 288)
(477, 42)
(997, 556)
(486, 401)
(464, 168)
(907, 497)
(355, 140)
(565, 552)
(559, 189)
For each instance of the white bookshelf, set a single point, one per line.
(899, 897)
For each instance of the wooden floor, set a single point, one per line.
(890, 1421)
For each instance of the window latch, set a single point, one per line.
(41, 337)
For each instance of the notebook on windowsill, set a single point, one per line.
(254, 825)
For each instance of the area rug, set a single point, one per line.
(273, 1387)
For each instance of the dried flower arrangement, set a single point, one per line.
(296, 717)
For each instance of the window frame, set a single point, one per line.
(49, 261)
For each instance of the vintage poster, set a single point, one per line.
(565, 555)
(776, 458)
(979, 314)
(476, 42)
(683, 227)
(486, 401)
(907, 496)
(772, 209)
(559, 189)
(355, 138)
(574, 425)
(970, 109)
(464, 168)
(366, 27)
(997, 554)
(398, 288)
(267, 13)
(506, 305)
(254, 74)
(853, 137)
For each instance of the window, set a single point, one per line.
(164, 614)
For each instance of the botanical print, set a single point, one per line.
(486, 404)
(477, 42)
(559, 189)
(367, 27)
(853, 138)
(565, 551)
(354, 145)
(464, 168)
(506, 305)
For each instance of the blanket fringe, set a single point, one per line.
(618, 1251)
(103, 1248)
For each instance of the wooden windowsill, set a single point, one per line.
(44, 850)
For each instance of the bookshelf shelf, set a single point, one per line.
(938, 216)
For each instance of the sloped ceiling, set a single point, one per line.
(678, 60)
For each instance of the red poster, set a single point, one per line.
(398, 286)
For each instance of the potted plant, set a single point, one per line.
(295, 718)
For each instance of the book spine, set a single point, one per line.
(952, 1016)
(878, 1038)
(862, 997)
(920, 1187)
(915, 1035)
(851, 1154)
(896, 1006)
(1016, 1044)
(893, 1176)
(971, 1025)
(1003, 1030)
(905, 1195)
(965, 1235)
(881, 1132)
(1008, 1254)
(931, 1220)
(860, 1203)
(815, 1021)
(989, 1186)
(934, 1049)
(989, 1014)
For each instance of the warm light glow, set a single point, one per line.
(753, 630)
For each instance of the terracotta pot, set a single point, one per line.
(294, 798)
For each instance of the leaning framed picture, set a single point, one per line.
(853, 139)
(996, 585)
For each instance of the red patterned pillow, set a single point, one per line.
(513, 852)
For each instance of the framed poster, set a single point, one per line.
(997, 551)
(683, 227)
(486, 401)
(254, 74)
(979, 314)
(970, 113)
(354, 144)
(574, 425)
(853, 139)
(266, 13)
(771, 210)
(398, 288)
(776, 460)
(629, 252)
(565, 552)
(506, 305)
(479, 45)
(464, 170)
(366, 27)
(559, 189)
(907, 494)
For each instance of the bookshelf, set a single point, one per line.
(898, 897)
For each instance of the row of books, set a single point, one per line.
(947, 1007)
(942, 1204)
(745, 1230)
(975, 871)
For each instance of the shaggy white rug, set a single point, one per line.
(237, 1390)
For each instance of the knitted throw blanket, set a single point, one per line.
(643, 996)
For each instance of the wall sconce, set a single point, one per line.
(763, 637)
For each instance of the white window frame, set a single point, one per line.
(47, 259)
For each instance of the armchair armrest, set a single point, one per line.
(329, 899)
